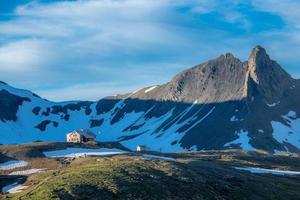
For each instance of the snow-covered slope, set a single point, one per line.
(223, 103)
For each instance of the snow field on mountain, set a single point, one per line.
(242, 140)
(12, 164)
(27, 172)
(151, 88)
(13, 188)
(287, 133)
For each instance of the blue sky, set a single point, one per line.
(88, 49)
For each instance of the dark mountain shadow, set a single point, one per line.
(213, 124)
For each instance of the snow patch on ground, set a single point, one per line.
(261, 131)
(273, 104)
(151, 88)
(28, 172)
(268, 171)
(158, 157)
(234, 119)
(280, 152)
(287, 133)
(13, 188)
(80, 152)
(12, 164)
(243, 140)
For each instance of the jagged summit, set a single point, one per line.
(270, 78)
(258, 59)
(217, 80)
(229, 55)
(225, 78)
(259, 50)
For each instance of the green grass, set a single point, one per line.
(203, 175)
(115, 179)
(133, 178)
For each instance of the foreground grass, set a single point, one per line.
(116, 179)
(194, 175)
(135, 178)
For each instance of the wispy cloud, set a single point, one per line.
(67, 46)
(288, 9)
(23, 55)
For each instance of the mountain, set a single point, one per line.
(222, 103)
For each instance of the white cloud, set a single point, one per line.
(287, 9)
(93, 48)
(55, 43)
(23, 55)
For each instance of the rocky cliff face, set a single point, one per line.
(270, 79)
(226, 78)
(223, 103)
(217, 80)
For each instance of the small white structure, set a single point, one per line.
(142, 148)
(79, 136)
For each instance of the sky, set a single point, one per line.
(89, 49)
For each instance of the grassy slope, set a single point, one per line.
(201, 175)
(132, 178)
(115, 178)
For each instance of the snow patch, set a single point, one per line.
(135, 91)
(287, 133)
(28, 172)
(80, 152)
(158, 157)
(261, 131)
(13, 188)
(268, 171)
(243, 140)
(12, 164)
(273, 104)
(280, 152)
(234, 119)
(151, 88)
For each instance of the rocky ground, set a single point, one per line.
(187, 175)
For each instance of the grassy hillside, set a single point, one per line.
(202, 175)
(133, 178)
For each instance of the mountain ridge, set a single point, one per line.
(222, 103)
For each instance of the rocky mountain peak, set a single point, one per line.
(223, 79)
(229, 55)
(217, 80)
(270, 79)
(258, 63)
